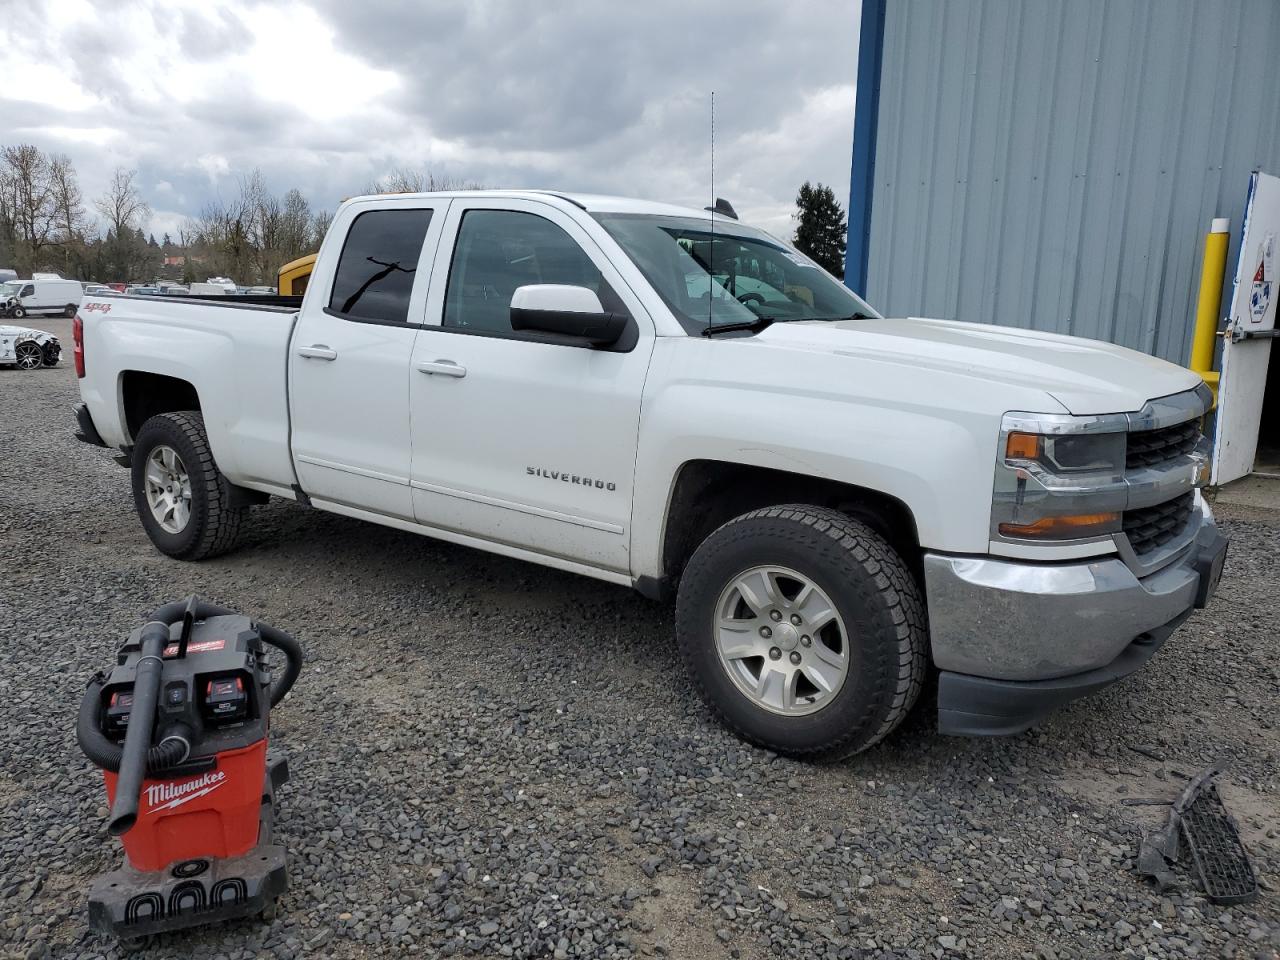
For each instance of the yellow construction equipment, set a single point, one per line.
(295, 274)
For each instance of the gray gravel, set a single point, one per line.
(493, 759)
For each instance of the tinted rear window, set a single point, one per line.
(376, 270)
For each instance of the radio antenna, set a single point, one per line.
(711, 254)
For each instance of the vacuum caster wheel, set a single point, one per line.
(270, 911)
(133, 944)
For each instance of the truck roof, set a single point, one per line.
(591, 202)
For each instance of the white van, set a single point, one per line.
(43, 296)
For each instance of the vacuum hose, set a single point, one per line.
(137, 757)
(142, 718)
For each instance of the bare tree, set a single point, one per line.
(320, 224)
(72, 222)
(28, 205)
(406, 180)
(125, 251)
(122, 204)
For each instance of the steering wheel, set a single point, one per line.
(749, 298)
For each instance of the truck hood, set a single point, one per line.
(1084, 376)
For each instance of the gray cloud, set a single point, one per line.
(565, 94)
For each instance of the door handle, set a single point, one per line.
(445, 368)
(318, 351)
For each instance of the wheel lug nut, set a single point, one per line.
(774, 653)
(795, 657)
(775, 614)
(805, 640)
(766, 632)
(795, 618)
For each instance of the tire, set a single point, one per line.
(875, 607)
(28, 355)
(69, 311)
(212, 525)
(19, 312)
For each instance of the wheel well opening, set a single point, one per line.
(709, 493)
(147, 394)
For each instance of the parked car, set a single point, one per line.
(835, 499)
(41, 296)
(97, 288)
(28, 349)
(207, 290)
(142, 290)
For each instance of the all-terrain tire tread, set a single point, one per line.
(221, 529)
(901, 594)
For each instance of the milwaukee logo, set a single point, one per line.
(166, 796)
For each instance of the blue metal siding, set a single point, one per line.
(1055, 164)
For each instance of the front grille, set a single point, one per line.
(1152, 527)
(1151, 448)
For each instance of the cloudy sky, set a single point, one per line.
(326, 95)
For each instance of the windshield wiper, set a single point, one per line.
(756, 325)
(852, 316)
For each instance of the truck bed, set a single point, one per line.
(234, 353)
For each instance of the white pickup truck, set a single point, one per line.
(665, 398)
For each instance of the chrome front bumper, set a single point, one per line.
(1009, 620)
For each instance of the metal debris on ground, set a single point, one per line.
(1200, 825)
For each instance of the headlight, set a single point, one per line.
(1059, 478)
(1098, 455)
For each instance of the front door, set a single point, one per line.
(349, 359)
(517, 439)
(1246, 353)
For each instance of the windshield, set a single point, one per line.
(10, 288)
(735, 275)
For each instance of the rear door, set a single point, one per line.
(517, 439)
(349, 358)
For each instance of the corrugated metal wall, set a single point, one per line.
(1055, 163)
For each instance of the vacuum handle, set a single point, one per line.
(142, 719)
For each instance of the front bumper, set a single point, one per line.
(1015, 640)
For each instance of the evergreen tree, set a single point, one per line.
(821, 229)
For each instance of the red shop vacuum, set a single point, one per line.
(179, 727)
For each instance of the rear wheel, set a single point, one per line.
(804, 631)
(69, 311)
(182, 499)
(27, 355)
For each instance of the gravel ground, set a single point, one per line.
(493, 759)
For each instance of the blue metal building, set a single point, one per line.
(1055, 163)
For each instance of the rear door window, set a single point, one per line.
(377, 266)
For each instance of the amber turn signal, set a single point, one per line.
(1022, 446)
(1064, 528)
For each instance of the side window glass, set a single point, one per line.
(378, 262)
(500, 250)
(28, 291)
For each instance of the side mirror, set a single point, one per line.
(565, 310)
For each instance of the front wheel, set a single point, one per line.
(182, 499)
(803, 630)
(27, 355)
(19, 312)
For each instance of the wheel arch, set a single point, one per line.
(705, 494)
(143, 395)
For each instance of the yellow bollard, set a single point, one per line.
(1209, 304)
